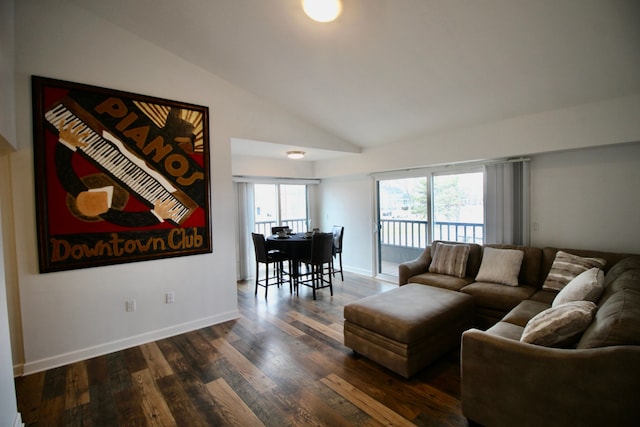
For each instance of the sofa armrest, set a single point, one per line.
(412, 268)
(507, 382)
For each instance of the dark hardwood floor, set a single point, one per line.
(281, 363)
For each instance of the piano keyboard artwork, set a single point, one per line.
(112, 157)
(158, 114)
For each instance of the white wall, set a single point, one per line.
(587, 199)
(349, 202)
(608, 217)
(77, 314)
(609, 121)
(259, 166)
(581, 199)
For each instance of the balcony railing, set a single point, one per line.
(297, 225)
(413, 233)
(401, 232)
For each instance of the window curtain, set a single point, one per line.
(312, 208)
(507, 203)
(246, 256)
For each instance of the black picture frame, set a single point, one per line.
(120, 177)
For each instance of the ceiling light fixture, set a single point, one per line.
(295, 154)
(322, 10)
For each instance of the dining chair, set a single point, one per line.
(338, 233)
(318, 277)
(269, 257)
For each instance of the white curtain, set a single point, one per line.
(313, 217)
(507, 203)
(246, 258)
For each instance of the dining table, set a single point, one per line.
(296, 246)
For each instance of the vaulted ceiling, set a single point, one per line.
(388, 70)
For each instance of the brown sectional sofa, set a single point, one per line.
(507, 382)
(494, 301)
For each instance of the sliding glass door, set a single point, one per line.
(403, 216)
(414, 211)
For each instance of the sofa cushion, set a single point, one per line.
(525, 311)
(629, 279)
(487, 317)
(545, 296)
(441, 281)
(586, 286)
(498, 297)
(531, 263)
(628, 263)
(506, 330)
(450, 260)
(567, 266)
(500, 266)
(617, 322)
(558, 326)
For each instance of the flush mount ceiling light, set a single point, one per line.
(295, 154)
(322, 10)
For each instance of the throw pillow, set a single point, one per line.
(449, 259)
(500, 266)
(559, 326)
(586, 286)
(567, 266)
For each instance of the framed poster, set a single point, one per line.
(119, 177)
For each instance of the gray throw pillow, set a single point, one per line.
(567, 266)
(450, 259)
(500, 266)
(559, 326)
(586, 286)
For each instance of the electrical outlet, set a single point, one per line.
(131, 305)
(170, 297)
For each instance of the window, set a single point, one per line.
(414, 211)
(265, 203)
(280, 205)
(458, 207)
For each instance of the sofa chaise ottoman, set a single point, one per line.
(406, 328)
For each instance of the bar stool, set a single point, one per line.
(338, 233)
(267, 257)
(321, 254)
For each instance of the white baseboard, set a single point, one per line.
(110, 347)
(356, 270)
